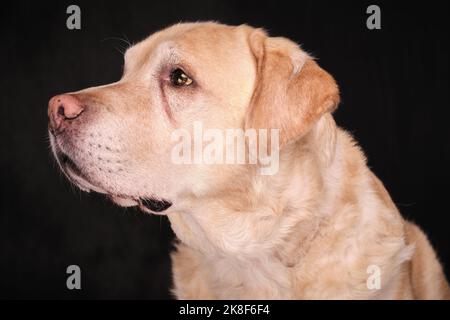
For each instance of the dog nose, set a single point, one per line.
(61, 109)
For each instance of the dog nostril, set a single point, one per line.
(61, 111)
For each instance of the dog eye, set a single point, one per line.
(179, 78)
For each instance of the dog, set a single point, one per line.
(322, 227)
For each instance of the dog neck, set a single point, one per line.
(263, 215)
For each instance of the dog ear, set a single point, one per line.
(292, 92)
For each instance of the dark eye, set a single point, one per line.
(179, 78)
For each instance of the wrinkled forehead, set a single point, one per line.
(199, 46)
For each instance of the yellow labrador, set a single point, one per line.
(321, 226)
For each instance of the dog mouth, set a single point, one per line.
(68, 164)
(74, 174)
(147, 205)
(155, 205)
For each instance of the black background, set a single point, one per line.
(394, 85)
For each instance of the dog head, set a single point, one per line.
(117, 139)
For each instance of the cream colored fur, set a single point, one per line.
(311, 231)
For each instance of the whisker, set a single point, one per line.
(124, 48)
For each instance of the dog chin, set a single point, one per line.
(124, 201)
(71, 170)
(74, 174)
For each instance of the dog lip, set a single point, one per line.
(74, 174)
(155, 205)
(147, 205)
(68, 162)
